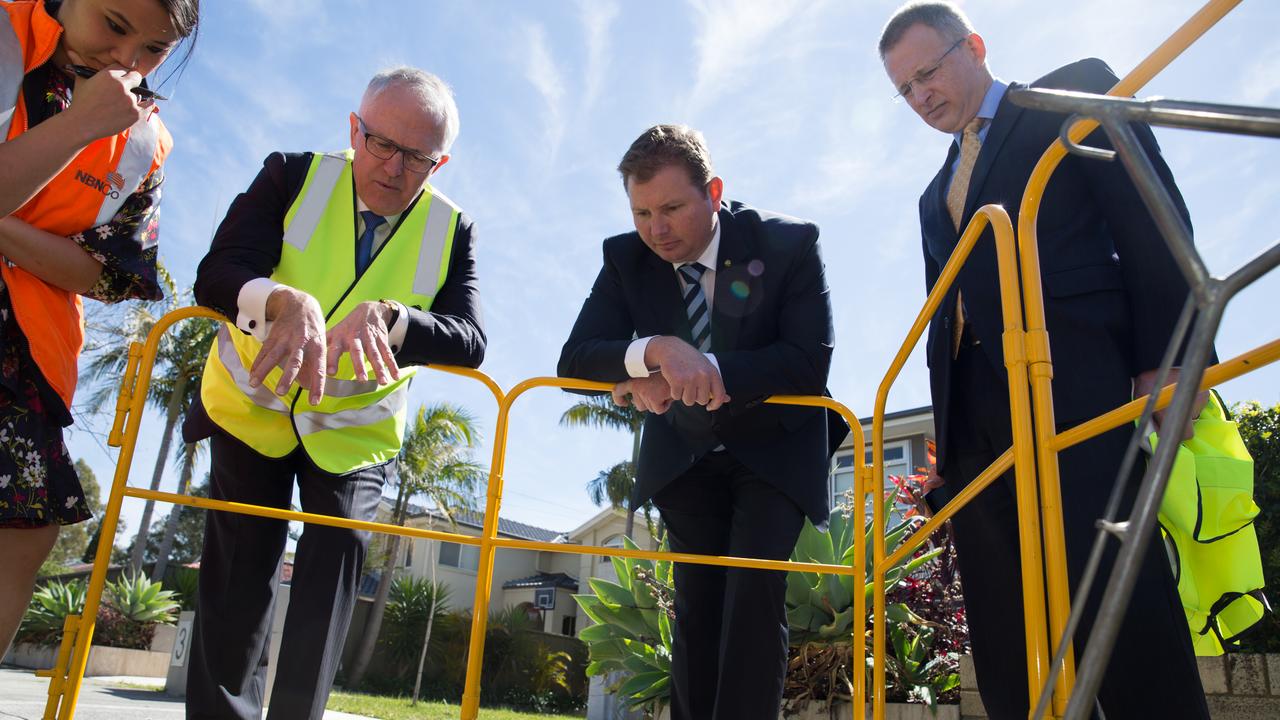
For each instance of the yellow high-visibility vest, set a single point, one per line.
(1206, 517)
(358, 423)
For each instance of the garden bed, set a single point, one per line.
(103, 660)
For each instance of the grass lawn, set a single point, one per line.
(397, 708)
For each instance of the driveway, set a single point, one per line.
(24, 696)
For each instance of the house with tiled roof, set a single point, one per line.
(541, 583)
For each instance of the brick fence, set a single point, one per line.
(1238, 687)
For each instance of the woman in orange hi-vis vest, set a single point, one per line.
(81, 149)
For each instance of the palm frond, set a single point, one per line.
(599, 411)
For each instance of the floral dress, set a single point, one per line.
(38, 483)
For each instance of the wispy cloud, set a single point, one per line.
(597, 17)
(1259, 82)
(734, 36)
(547, 78)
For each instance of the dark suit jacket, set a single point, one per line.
(771, 333)
(1112, 291)
(247, 246)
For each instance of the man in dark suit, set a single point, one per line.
(1112, 297)
(708, 308)
(342, 271)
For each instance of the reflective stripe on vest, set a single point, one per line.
(358, 423)
(132, 170)
(261, 395)
(322, 176)
(310, 423)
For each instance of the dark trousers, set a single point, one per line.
(729, 641)
(1152, 671)
(240, 573)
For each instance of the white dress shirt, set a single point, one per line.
(634, 359)
(251, 302)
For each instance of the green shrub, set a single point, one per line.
(404, 623)
(1260, 428)
(50, 605)
(632, 634)
(139, 599)
(114, 629)
(127, 617)
(185, 584)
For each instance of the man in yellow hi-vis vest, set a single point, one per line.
(343, 271)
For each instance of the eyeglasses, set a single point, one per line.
(384, 149)
(906, 90)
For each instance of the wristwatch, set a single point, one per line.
(394, 307)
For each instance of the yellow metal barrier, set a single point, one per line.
(1041, 364)
(66, 676)
(1033, 457)
(1021, 456)
(490, 541)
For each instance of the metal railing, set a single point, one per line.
(1033, 456)
(1028, 361)
(68, 672)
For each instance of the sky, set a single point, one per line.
(797, 112)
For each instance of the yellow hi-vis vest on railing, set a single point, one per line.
(1206, 517)
(358, 423)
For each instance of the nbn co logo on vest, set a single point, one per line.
(110, 186)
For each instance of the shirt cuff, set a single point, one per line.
(395, 335)
(715, 364)
(634, 359)
(251, 306)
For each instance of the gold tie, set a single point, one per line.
(970, 145)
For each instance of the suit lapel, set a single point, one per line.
(938, 229)
(1007, 115)
(668, 306)
(737, 289)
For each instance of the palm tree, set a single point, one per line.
(174, 383)
(188, 455)
(616, 484)
(435, 463)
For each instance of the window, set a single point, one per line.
(842, 470)
(897, 459)
(463, 557)
(569, 625)
(897, 462)
(408, 553)
(614, 541)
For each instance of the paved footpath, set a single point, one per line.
(23, 696)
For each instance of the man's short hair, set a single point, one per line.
(435, 95)
(663, 145)
(949, 20)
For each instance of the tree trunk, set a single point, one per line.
(635, 461)
(162, 457)
(373, 625)
(431, 618)
(171, 527)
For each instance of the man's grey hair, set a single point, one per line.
(949, 20)
(435, 95)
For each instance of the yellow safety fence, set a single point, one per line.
(1033, 457)
(66, 676)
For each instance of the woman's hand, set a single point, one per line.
(104, 105)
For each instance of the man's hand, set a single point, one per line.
(648, 394)
(1145, 384)
(692, 378)
(295, 343)
(362, 334)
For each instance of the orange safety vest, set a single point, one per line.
(87, 193)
